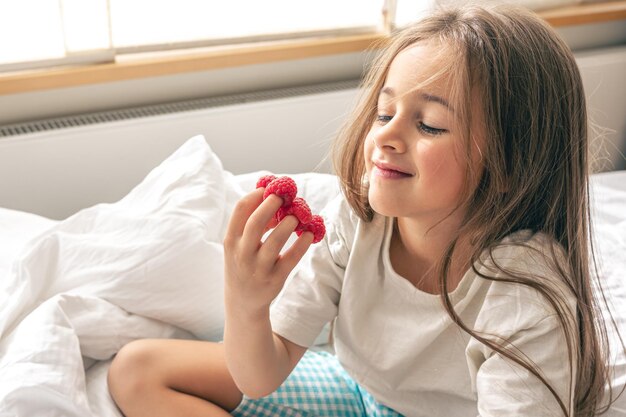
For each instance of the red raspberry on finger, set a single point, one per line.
(298, 208)
(264, 180)
(284, 187)
(316, 226)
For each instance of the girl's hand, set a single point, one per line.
(256, 271)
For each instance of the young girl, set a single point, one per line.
(455, 268)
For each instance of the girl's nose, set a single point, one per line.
(390, 137)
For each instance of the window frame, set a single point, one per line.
(153, 64)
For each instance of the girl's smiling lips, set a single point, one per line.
(385, 170)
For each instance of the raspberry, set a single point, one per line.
(316, 226)
(298, 208)
(264, 180)
(284, 187)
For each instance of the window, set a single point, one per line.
(46, 33)
(37, 33)
(141, 23)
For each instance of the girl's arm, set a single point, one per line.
(255, 271)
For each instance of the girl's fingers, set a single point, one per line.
(272, 224)
(276, 240)
(251, 218)
(242, 212)
(259, 221)
(292, 256)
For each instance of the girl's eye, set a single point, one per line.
(432, 131)
(382, 119)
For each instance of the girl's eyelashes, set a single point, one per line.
(382, 119)
(426, 129)
(432, 131)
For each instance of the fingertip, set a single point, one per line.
(253, 199)
(307, 238)
(274, 197)
(258, 193)
(242, 211)
(274, 200)
(302, 245)
(291, 221)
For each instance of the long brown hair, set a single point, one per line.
(535, 169)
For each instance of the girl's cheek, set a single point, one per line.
(431, 159)
(439, 169)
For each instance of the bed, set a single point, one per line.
(74, 291)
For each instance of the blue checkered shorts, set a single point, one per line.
(317, 387)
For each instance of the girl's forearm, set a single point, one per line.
(257, 360)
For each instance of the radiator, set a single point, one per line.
(55, 167)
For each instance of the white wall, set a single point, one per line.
(99, 163)
(604, 76)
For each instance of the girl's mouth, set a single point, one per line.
(387, 172)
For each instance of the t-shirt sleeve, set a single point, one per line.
(310, 297)
(505, 388)
(526, 323)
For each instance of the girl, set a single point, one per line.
(455, 268)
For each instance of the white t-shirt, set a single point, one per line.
(399, 343)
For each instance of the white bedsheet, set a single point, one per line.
(608, 192)
(73, 292)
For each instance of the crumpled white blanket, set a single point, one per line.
(147, 266)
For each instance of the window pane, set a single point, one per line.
(39, 33)
(408, 11)
(146, 22)
(86, 24)
(30, 30)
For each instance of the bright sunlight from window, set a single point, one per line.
(44, 32)
(37, 33)
(30, 29)
(146, 22)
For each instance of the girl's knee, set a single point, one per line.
(134, 370)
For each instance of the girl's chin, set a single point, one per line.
(384, 208)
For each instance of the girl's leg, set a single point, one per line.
(318, 386)
(168, 377)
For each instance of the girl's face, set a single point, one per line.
(414, 151)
